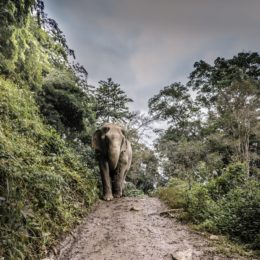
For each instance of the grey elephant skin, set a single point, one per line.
(114, 154)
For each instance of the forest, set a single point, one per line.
(206, 162)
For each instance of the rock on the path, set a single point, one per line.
(213, 237)
(185, 255)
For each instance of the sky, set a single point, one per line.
(145, 45)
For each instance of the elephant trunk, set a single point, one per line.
(113, 156)
(113, 149)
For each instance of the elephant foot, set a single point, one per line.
(108, 197)
(117, 195)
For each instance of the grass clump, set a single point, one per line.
(174, 194)
(131, 190)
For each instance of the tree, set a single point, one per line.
(111, 102)
(42, 174)
(220, 125)
(66, 106)
(144, 169)
(144, 172)
(13, 17)
(230, 91)
(174, 104)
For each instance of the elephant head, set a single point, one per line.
(115, 155)
(110, 141)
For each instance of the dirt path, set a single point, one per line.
(131, 228)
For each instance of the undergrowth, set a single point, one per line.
(131, 190)
(44, 186)
(227, 205)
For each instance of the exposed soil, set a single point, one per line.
(132, 228)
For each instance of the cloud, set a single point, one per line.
(147, 44)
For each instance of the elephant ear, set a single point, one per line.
(96, 140)
(123, 132)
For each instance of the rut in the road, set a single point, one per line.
(129, 228)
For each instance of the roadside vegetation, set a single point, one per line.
(45, 188)
(46, 183)
(210, 151)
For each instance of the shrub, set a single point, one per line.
(200, 206)
(174, 194)
(232, 176)
(239, 216)
(130, 190)
(228, 204)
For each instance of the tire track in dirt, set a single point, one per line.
(132, 229)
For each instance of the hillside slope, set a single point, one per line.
(44, 186)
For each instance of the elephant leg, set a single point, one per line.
(124, 182)
(127, 160)
(119, 180)
(118, 185)
(106, 181)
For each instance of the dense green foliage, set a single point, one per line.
(44, 187)
(131, 190)
(66, 106)
(228, 204)
(27, 52)
(210, 150)
(46, 116)
(144, 169)
(218, 124)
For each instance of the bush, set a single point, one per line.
(174, 194)
(130, 190)
(228, 204)
(239, 216)
(200, 206)
(232, 176)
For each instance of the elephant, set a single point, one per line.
(114, 153)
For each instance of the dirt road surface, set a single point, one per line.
(133, 229)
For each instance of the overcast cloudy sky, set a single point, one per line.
(147, 44)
